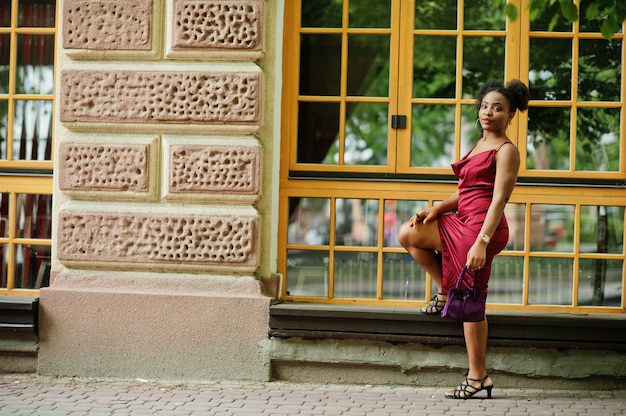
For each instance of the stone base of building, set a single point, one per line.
(153, 326)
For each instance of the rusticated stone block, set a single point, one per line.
(160, 97)
(220, 25)
(107, 24)
(157, 238)
(110, 167)
(221, 169)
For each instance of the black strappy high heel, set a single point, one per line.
(466, 390)
(435, 307)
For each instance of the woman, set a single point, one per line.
(478, 230)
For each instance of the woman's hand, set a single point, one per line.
(423, 216)
(476, 256)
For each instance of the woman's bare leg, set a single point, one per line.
(421, 241)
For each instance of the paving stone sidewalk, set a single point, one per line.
(42, 396)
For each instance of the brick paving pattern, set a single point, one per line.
(42, 396)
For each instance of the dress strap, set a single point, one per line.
(507, 142)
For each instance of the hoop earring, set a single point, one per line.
(479, 128)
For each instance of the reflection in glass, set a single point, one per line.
(550, 69)
(356, 222)
(485, 15)
(436, 14)
(355, 275)
(4, 122)
(38, 13)
(4, 266)
(600, 282)
(483, 59)
(599, 70)
(516, 218)
(320, 64)
(309, 221)
(434, 66)
(33, 218)
(547, 18)
(35, 70)
(593, 24)
(365, 136)
(5, 49)
(597, 139)
(307, 273)
(32, 130)
(328, 14)
(548, 142)
(5, 13)
(32, 266)
(553, 228)
(4, 215)
(396, 214)
(318, 127)
(550, 281)
(506, 283)
(403, 278)
(369, 14)
(432, 135)
(368, 65)
(601, 229)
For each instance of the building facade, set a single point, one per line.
(224, 180)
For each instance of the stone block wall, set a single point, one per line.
(160, 139)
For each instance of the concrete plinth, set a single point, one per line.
(185, 327)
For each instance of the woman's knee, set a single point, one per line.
(404, 234)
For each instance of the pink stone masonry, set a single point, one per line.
(217, 25)
(109, 167)
(157, 238)
(160, 97)
(224, 169)
(107, 24)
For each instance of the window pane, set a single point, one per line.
(33, 216)
(5, 48)
(601, 229)
(550, 69)
(516, 218)
(368, 65)
(4, 264)
(506, 283)
(597, 139)
(550, 281)
(396, 214)
(599, 70)
(307, 273)
(322, 13)
(370, 14)
(320, 65)
(546, 19)
(32, 130)
(403, 278)
(436, 14)
(32, 266)
(432, 135)
(355, 275)
(600, 282)
(434, 67)
(35, 71)
(38, 13)
(553, 228)
(309, 221)
(356, 222)
(4, 122)
(366, 137)
(548, 145)
(485, 15)
(318, 127)
(591, 25)
(483, 59)
(5, 14)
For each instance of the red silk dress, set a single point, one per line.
(459, 230)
